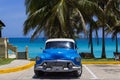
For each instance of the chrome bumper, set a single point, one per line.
(57, 68)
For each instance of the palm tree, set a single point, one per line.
(88, 14)
(115, 31)
(1, 25)
(103, 6)
(56, 17)
(106, 6)
(114, 22)
(52, 16)
(93, 27)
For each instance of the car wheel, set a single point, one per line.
(38, 73)
(78, 72)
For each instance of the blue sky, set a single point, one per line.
(12, 13)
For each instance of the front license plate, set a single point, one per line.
(57, 68)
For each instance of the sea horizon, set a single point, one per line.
(34, 47)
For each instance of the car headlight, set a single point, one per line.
(77, 59)
(44, 65)
(37, 58)
(70, 65)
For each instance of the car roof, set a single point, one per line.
(60, 39)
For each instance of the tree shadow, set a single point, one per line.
(56, 76)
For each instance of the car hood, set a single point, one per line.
(52, 54)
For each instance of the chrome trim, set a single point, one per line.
(57, 61)
(59, 69)
(74, 68)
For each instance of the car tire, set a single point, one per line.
(78, 73)
(38, 73)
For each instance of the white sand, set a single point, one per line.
(12, 56)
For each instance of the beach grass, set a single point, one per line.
(98, 60)
(4, 61)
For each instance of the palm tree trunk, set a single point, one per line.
(116, 44)
(91, 42)
(103, 43)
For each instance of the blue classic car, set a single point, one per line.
(59, 55)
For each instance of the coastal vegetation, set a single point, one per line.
(4, 61)
(68, 18)
(98, 60)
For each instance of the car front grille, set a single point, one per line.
(57, 63)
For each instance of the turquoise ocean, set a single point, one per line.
(82, 44)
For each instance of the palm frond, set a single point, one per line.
(1, 23)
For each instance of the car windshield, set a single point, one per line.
(60, 44)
